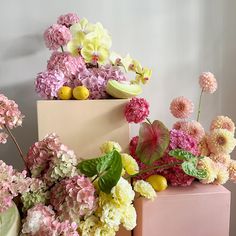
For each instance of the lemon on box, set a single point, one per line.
(80, 93)
(158, 182)
(65, 93)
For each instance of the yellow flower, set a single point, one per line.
(87, 227)
(104, 230)
(76, 44)
(207, 164)
(83, 26)
(222, 174)
(126, 62)
(143, 76)
(135, 66)
(144, 189)
(115, 58)
(129, 217)
(108, 147)
(130, 164)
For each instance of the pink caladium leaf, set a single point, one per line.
(153, 141)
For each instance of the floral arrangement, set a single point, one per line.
(86, 68)
(187, 152)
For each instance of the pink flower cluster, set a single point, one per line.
(74, 198)
(57, 36)
(68, 19)
(41, 221)
(137, 110)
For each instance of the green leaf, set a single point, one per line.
(153, 141)
(112, 174)
(89, 167)
(190, 168)
(181, 154)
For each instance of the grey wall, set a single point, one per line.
(178, 39)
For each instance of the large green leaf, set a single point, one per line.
(153, 141)
(89, 167)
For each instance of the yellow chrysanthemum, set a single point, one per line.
(104, 230)
(144, 189)
(207, 164)
(87, 227)
(130, 164)
(221, 141)
(129, 217)
(222, 174)
(109, 146)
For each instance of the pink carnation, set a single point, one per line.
(48, 83)
(74, 198)
(181, 107)
(68, 20)
(136, 110)
(207, 82)
(3, 137)
(66, 63)
(57, 36)
(10, 115)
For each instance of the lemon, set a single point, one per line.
(65, 93)
(80, 93)
(158, 182)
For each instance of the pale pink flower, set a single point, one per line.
(221, 158)
(179, 124)
(3, 137)
(232, 170)
(208, 82)
(68, 19)
(136, 110)
(223, 122)
(57, 36)
(181, 107)
(203, 147)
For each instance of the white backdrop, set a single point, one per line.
(178, 39)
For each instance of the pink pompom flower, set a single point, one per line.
(3, 137)
(68, 19)
(136, 110)
(223, 122)
(181, 107)
(57, 36)
(208, 82)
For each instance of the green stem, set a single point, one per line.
(95, 178)
(62, 49)
(147, 119)
(199, 106)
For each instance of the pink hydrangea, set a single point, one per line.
(181, 107)
(69, 65)
(136, 110)
(48, 83)
(208, 82)
(74, 198)
(57, 36)
(3, 137)
(95, 79)
(10, 115)
(68, 19)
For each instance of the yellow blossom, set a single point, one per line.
(143, 76)
(109, 146)
(130, 164)
(144, 189)
(76, 44)
(82, 26)
(129, 217)
(207, 164)
(222, 175)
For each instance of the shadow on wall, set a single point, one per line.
(25, 96)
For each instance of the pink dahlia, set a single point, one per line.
(179, 124)
(221, 158)
(74, 198)
(136, 110)
(181, 107)
(69, 65)
(48, 83)
(57, 36)
(232, 171)
(223, 122)
(95, 79)
(10, 115)
(68, 19)
(207, 82)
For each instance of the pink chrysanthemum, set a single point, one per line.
(10, 115)
(181, 107)
(57, 36)
(232, 171)
(48, 83)
(223, 122)
(179, 124)
(203, 147)
(68, 20)
(136, 110)
(69, 65)
(221, 158)
(74, 198)
(207, 82)
(95, 79)
(194, 129)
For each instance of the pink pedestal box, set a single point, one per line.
(198, 210)
(84, 125)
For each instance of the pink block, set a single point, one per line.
(198, 210)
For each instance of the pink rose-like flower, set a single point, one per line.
(208, 82)
(74, 198)
(68, 20)
(48, 83)
(136, 110)
(3, 137)
(57, 36)
(181, 107)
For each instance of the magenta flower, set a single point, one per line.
(136, 110)
(57, 36)
(68, 19)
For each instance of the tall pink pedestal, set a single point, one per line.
(198, 210)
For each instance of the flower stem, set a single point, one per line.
(95, 178)
(147, 119)
(62, 49)
(199, 106)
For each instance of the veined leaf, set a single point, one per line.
(181, 154)
(190, 169)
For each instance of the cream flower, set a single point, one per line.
(223, 122)
(87, 227)
(222, 174)
(207, 164)
(203, 147)
(109, 146)
(221, 158)
(232, 171)
(129, 217)
(130, 164)
(104, 230)
(145, 189)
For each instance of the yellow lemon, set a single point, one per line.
(80, 93)
(65, 93)
(158, 182)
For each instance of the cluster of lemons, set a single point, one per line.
(79, 93)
